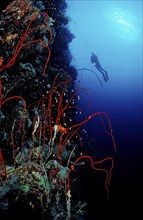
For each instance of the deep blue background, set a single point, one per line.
(112, 30)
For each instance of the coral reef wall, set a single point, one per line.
(37, 88)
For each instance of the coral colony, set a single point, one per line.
(39, 135)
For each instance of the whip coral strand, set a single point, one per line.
(21, 43)
(93, 166)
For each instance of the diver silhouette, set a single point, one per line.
(95, 61)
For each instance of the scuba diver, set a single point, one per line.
(95, 61)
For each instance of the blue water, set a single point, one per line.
(113, 31)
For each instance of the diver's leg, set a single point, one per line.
(105, 78)
(104, 73)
